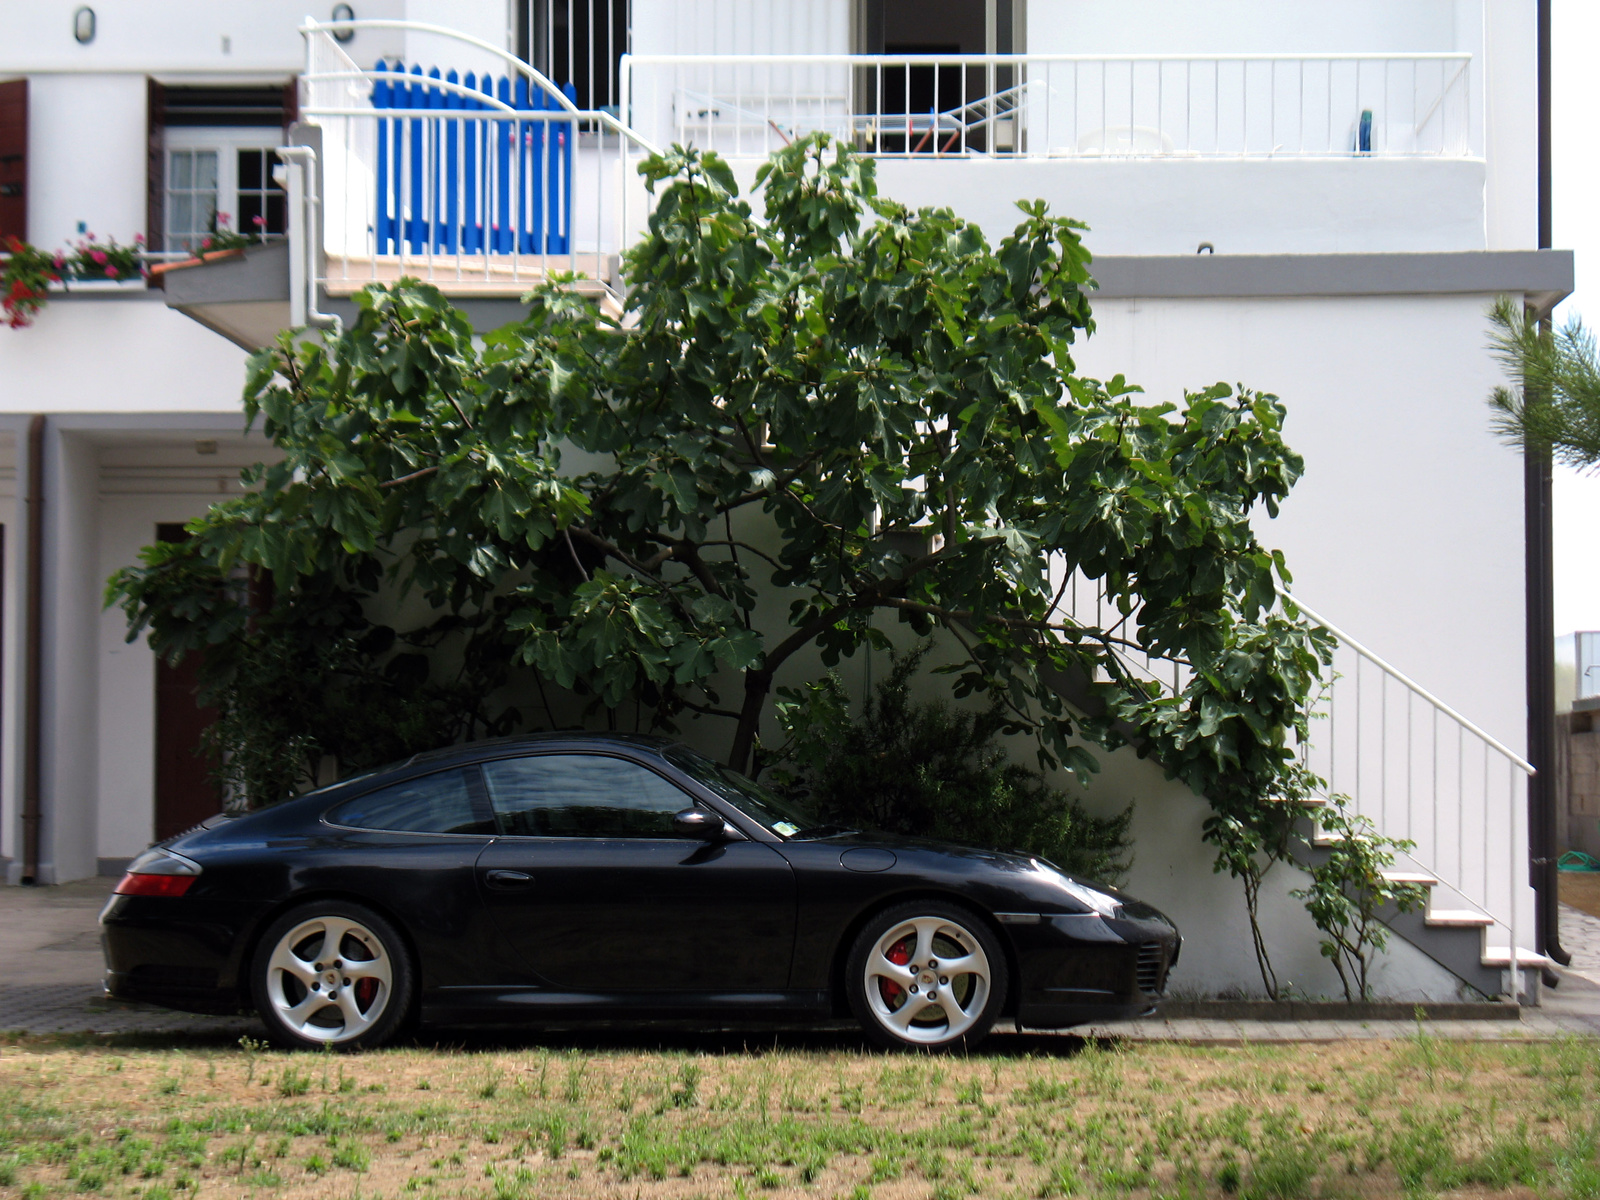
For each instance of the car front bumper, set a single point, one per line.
(1082, 968)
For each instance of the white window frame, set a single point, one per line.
(226, 142)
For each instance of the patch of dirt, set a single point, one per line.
(1581, 889)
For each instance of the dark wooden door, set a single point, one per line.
(14, 159)
(185, 792)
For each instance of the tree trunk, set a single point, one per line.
(756, 686)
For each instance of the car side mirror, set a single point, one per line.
(698, 823)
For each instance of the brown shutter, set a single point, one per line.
(14, 159)
(291, 103)
(155, 196)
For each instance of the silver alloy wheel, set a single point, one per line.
(927, 980)
(330, 979)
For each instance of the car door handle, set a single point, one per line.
(506, 880)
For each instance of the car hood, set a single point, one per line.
(1028, 874)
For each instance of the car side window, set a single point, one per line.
(437, 803)
(581, 795)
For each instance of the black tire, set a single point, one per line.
(366, 982)
(963, 1006)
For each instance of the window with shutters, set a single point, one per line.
(216, 163)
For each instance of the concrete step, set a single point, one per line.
(1455, 938)
(1465, 918)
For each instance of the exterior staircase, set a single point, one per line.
(1461, 939)
(1423, 772)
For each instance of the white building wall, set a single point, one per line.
(1171, 206)
(144, 479)
(1510, 82)
(68, 775)
(158, 37)
(128, 353)
(1406, 529)
(741, 27)
(1241, 27)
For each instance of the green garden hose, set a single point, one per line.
(1577, 860)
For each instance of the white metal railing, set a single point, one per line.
(1059, 105)
(480, 185)
(1422, 771)
(1414, 765)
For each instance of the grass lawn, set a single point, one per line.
(810, 1115)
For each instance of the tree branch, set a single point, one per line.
(389, 483)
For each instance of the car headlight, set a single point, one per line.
(1106, 906)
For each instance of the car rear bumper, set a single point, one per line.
(178, 952)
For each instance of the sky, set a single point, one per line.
(1575, 138)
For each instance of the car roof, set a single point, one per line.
(494, 747)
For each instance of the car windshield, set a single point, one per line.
(784, 817)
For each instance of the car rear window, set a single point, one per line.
(437, 803)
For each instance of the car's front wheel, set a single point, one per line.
(331, 973)
(926, 975)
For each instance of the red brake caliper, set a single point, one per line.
(899, 954)
(366, 992)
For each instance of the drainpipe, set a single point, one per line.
(1541, 633)
(32, 808)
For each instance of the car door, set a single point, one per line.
(593, 890)
(412, 847)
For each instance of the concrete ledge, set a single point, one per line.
(1545, 277)
(1331, 1010)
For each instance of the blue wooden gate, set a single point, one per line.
(494, 184)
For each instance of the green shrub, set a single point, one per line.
(934, 771)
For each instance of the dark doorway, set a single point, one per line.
(944, 107)
(185, 791)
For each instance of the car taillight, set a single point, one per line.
(154, 885)
(158, 873)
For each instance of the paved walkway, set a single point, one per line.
(50, 968)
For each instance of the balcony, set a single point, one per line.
(492, 183)
(1060, 106)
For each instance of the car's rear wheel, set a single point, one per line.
(332, 973)
(926, 975)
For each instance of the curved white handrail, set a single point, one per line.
(545, 84)
(517, 64)
(492, 103)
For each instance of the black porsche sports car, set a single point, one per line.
(561, 877)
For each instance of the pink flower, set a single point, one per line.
(224, 219)
(99, 257)
(59, 262)
(111, 272)
(90, 237)
(138, 239)
(258, 222)
(206, 245)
